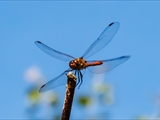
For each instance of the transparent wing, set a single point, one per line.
(107, 64)
(53, 53)
(57, 81)
(104, 38)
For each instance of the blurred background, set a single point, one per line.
(130, 91)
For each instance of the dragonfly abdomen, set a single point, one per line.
(94, 63)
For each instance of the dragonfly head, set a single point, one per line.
(73, 64)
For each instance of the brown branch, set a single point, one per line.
(70, 88)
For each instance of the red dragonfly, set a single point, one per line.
(79, 64)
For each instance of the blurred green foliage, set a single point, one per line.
(101, 93)
(84, 100)
(33, 95)
(50, 100)
(143, 117)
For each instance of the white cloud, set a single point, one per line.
(33, 74)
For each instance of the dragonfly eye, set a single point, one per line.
(73, 64)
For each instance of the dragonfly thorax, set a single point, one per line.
(78, 64)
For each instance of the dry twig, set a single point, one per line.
(70, 88)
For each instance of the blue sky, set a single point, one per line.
(71, 27)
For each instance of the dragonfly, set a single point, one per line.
(77, 65)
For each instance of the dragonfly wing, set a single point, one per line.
(53, 53)
(104, 38)
(55, 82)
(107, 64)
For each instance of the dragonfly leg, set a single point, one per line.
(75, 72)
(80, 78)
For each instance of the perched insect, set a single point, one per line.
(79, 64)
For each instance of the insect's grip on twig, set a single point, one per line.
(70, 88)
